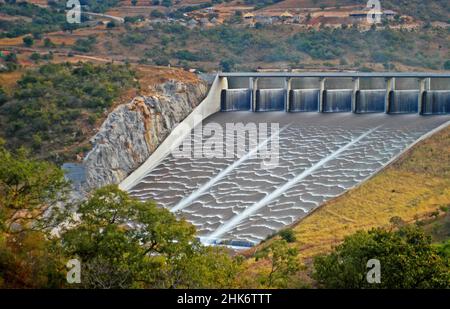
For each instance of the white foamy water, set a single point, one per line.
(320, 157)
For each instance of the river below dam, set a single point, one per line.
(240, 201)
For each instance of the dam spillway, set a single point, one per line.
(404, 102)
(307, 140)
(436, 102)
(270, 100)
(240, 200)
(370, 101)
(337, 101)
(235, 100)
(304, 100)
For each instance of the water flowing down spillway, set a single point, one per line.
(236, 100)
(269, 100)
(336, 101)
(404, 101)
(240, 201)
(370, 101)
(436, 102)
(304, 100)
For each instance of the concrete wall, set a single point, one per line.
(209, 106)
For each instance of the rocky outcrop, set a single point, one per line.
(134, 130)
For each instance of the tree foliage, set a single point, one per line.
(36, 19)
(407, 258)
(125, 243)
(28, 189)
(283, 264)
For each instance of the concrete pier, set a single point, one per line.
(424, 85)
(288, 91)
(254, 89)
(356, 83)
(322, 82)
(390, 86)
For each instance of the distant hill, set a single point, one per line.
(432, 10)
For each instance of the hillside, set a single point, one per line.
(186, 35)
(434, 10)
(55, 109)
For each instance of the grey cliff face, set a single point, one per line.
(134, 130)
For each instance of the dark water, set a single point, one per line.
(436, 102)
(304, 100)
(370, 101)
(404, 101)
(270, 100)
(236, 100)
(335, 101)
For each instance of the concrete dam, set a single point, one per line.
(264, 150)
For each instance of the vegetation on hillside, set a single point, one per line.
(98, 6)
(407, 261)
(431, 10)
(125, 243)
(119, 241)
(52, 105)
(286, 46)
(261, 4)
(35, 20)
(283, 45)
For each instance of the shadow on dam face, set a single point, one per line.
(320, 156)
(404, 102)
(304, 100)
(370, 101)
(337, 101)
(269, 100)
(436, 102)
(236, 100)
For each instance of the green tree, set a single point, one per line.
(48, 43)
(29, 193)
(28, 41)
(28, 189)
(407, 258)
(111, 24)
(35, 57)
(167, 3)
(447, 65)
(227, 65)
(288, 235)
(125, 243)
(283, 262)
(156, 14)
